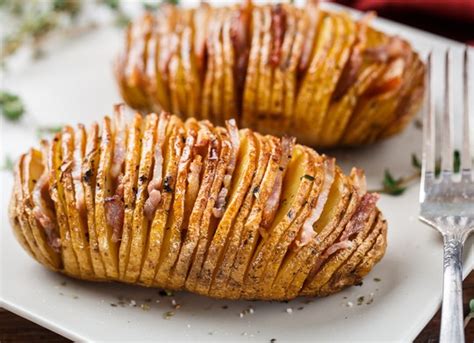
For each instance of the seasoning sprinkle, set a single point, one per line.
(168, 315)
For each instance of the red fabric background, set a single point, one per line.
(450, 18)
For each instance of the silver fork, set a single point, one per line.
(446, 202)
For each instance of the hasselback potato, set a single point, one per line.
(320, 76)
(217, 211)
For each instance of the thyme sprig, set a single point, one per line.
(398, 185)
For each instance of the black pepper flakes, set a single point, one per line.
(87, 176)
(142, 178)
(166, 184)
(273, 340)
(256, 190)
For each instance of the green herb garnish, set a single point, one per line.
(11, 106)
(308, 177)
(8, 164)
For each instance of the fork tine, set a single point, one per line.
(465, 152)
(428, 156)
(446, 147)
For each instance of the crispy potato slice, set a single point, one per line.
(229, 252)
(140, 224)
(209, 222)
(290, 66)
(192, 80)
(156, 86)
(296, 233)
(89, 175)
(408, 104)
(31, 170)
(283, 30)
(55, 166)
(297, 183)
(249, 99)
(250, 233)
(132, 164)
(209, 72)
(218, 83)
(175, 221)
(134, 62)
(312, 78)
(229, 109)
(340, 278)
(337, 58)
(334, 207)
(72, 154)
(14, 215)
(246, 165)
(340, 112)
(265, 72)
(103, 190)
(168, 148)
(199, 226)
(329, 262)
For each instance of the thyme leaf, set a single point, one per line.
(11, 106)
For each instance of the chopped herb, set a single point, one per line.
(166, 184)
(145, 307)
(256, 190)
(376, 279)
(391, 185)
(113, 305)
(8, 164)
(415, 162)
(171, 2)
(11, 106)
(273, 340)
(360, 300)
(168, 315)
(471, 305)
(308, 177)
(122, 20)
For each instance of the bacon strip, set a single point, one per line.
(362, 213)
(351, 68)
(307, 232)
(274, 199)
(278, 28)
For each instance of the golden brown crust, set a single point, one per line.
(323, 77)
(207, 209)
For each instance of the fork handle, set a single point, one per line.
(452, 327)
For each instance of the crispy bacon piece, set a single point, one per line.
(273, 201)
(362, 213)
(221, 200)
(278, 28)
(307, 231)
(43, 213)
(351, 68)
(114, 213)
(314, 13)
(396, 47)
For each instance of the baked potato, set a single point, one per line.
(218, 211)
(323, 77)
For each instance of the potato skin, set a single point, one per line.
(216, 211)
(323, 77)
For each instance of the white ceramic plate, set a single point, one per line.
(74, 83)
